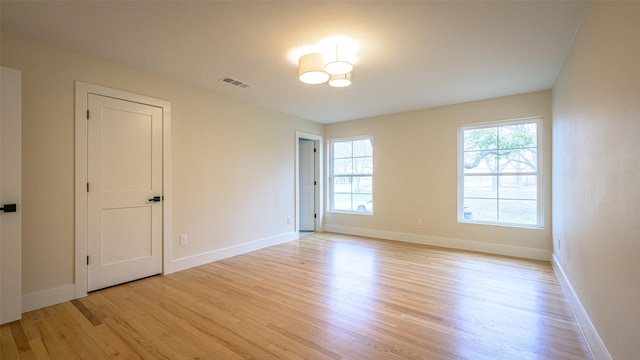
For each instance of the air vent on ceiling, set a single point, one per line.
(235, 82)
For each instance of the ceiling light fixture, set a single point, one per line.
(310, 69)
(336, 60)
(340, 80)
(334, 66)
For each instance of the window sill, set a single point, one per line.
(349, 212)
(522, 226)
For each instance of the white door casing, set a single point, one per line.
(306, 177)
(10, 193)
(123, 154)
(124, 176)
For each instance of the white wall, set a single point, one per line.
(415, 167)
(596, 172)
(233, 163)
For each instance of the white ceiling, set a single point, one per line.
(412, 54)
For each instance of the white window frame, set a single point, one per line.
(539, 171)
(330, 182)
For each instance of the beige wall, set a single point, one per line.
(596, 168)
(233, 166)
(233, 163)
(415, 167)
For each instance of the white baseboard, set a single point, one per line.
(64, 293)
(500, 249)
(598, 349)
(219, 254)
(48, 297)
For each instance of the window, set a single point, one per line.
(499, 176)
(351, 175)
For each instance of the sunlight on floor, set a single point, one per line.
(353, 281)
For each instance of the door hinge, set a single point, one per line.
(87, 259)
(314, 150)
(87, 114)
(315, 216)
(87, 187)
(315, 183)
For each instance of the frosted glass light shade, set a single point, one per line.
(340, 80)
(336, 61)
(310, 69)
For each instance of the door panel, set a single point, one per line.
(125, 136)
(124, 174)
(10, 193)
(122, 227)
(306, 177)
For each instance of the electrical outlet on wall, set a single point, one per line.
(420, 221)
(183, 239)
(288, 219)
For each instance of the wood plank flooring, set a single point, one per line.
(325, 296)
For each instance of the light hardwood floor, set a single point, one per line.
(325, 296)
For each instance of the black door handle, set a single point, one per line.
(156, 199)
(8, 208)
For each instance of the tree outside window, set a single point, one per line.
(499, 173)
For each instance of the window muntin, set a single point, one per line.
(499, 173)
(351, 172)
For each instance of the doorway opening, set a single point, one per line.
(308, 183)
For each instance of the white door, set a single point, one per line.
(10, 194)
(307, 184)
(124, 191)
